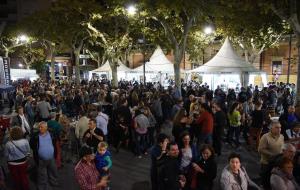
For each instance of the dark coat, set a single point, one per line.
(168, 174)
(205, 180)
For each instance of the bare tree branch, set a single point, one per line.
(168, 31)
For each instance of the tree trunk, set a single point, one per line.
(77, 70)
(6, 52)
(177, 61)
(52, 66)
(298, 70)
(246, 56)
(252, 57)
(98, 60)
(114, 72)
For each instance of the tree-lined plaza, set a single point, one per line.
(108, 30)
(186, 101)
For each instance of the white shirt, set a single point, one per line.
(25, 126)
(81, 127)
(102, 121)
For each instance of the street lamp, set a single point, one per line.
(20, 65)
(208, 30)
(131, 10)
(22, 39)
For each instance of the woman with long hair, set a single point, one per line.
(16, 151)
(205, 169)
(234, 118)
(179, 124)
(188, 155)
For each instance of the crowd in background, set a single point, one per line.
(182, 128)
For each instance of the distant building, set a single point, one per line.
(274, 61)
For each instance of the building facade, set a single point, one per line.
(275, 61)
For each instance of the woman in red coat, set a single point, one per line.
(206, 124)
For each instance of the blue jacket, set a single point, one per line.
(103, 160)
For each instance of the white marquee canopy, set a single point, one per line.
(226, 61)
(158, 63)
(227, 68)
(105, 68)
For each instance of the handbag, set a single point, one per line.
(29, 158)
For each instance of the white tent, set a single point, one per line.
(30, 74)
(159, 68)
(226, 67)
(158, 63)
(105, 68)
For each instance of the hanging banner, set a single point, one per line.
(6, 65)
(2, 79)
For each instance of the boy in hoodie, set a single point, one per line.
(103, 159)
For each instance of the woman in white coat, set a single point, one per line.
(235, 177)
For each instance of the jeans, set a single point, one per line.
(217, 141)
(47, 172)
(234, 130)
(150, 137)
(140, 143)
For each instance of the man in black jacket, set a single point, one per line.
(168, 173)
(44, 149)
(93, 135)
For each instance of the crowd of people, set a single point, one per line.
(182, 128)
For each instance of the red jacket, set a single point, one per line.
(206, 121)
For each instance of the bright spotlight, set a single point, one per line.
(208, 30)
(23, 38)
(131, 10)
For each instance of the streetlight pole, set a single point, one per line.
(144, 60)
(207, 31)
(289, 61)
(132, 11)
(203, 52)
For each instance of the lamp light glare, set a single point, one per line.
(131, 10)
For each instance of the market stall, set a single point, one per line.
(227, 68)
